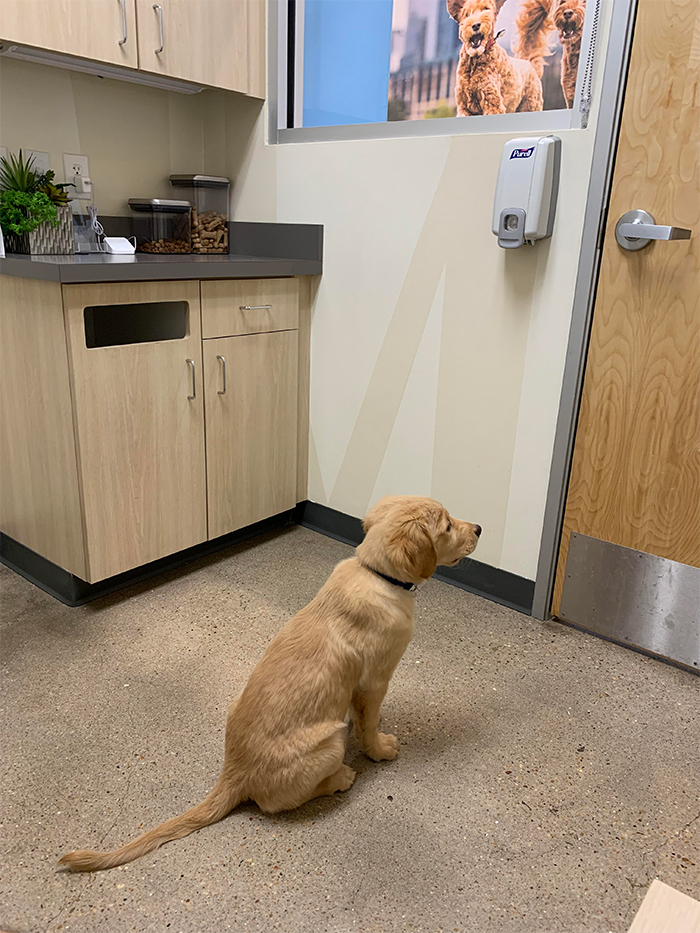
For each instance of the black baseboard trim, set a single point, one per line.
(72, 591)
(500, 586)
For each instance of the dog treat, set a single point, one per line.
(209, 232)
(164, 246)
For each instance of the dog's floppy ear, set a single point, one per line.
(454, 8)
(380, 511)
(411, 549)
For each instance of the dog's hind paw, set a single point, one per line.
(343, 778)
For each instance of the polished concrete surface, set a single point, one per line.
(545, 777)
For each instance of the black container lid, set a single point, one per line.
(199, 181)
(159, 206)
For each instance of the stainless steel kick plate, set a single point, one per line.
(633, 597)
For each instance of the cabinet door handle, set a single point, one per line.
(254, 307)
(159, 13)
(125, 26)
(194, 380)
(223, 371)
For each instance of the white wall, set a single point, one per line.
(437, 357)
(134, 136)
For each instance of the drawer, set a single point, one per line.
(249, 306)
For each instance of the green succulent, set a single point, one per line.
(53, 190)
(17, 174)
(28, 197)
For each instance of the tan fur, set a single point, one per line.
(533, 25)
(488, 80)
(568, 19)
(285, 734)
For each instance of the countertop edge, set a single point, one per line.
(236, 268)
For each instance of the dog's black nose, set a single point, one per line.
(568, 14)
(476, 27)
(477, 531)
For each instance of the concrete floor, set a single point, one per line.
(545, 776)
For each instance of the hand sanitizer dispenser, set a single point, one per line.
(526, 191)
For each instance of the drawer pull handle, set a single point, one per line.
(125, 27)
(223, 371)
(254, 307)
(161, 33)
(194, 381)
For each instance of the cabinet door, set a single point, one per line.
(104, 30)
(205, 41)
(251, 428)
(137, 392)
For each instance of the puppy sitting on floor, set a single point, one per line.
(285, 734)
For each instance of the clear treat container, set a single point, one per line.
(161, 226)
(208, 195)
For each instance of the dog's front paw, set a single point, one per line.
(384, 748)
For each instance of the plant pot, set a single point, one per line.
(46, 240)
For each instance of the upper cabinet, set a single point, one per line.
(220, 43)
(205, 42)
(104, 30)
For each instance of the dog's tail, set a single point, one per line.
(222, 799)
(533, 25)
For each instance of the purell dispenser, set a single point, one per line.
(526, 191)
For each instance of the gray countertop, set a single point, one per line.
(96, 267)
(258, 250)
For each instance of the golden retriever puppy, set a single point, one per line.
(285, 734)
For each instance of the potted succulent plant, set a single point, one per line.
(35, 213)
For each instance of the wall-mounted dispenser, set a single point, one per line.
(526, 191)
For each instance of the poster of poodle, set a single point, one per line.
(477, 57)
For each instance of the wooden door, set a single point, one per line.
(103, 30)
(205, 41)
(635, 478)
(251, 428)
(140, 433)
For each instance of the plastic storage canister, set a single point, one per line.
(161, 226)
(208, 195)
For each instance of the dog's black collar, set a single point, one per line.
(410, 587)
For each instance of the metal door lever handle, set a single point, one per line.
(653, 232)
(636, 229)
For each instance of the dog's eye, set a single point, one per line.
(449, 527)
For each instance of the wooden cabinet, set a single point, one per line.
(249, 306)
(39, 493)
(104, 30)
(220, 43)
(107, 391)
(139, 420)
(251, 427)
(205, 42)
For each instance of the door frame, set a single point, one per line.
(612, 97)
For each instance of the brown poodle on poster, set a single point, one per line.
(483, 57)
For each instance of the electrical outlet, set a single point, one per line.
(41, 160)
(75, 168)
